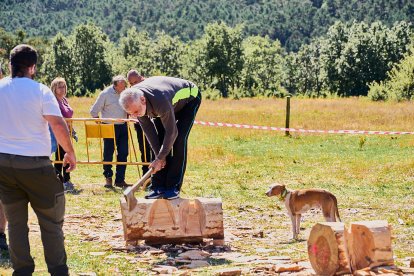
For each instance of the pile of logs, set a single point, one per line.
(335, 249)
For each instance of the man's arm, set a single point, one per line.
(171, 132)
(97, 106)
(61, 132)
(150, 132)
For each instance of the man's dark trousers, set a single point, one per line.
(33, 180)
(144, 147)
(121, 137)
(171, 177)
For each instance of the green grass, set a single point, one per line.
(371, 181)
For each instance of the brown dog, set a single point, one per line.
(300, 201)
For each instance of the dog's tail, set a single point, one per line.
(336, 209)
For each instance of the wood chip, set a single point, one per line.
(97, 253)
(288, 268)
(194, 255)
(232, 271)
(165, 269)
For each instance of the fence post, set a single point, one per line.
(287, 115)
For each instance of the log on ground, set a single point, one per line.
(173, 221)
(327, 249)
(369, 244)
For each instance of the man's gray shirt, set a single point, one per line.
(165, 96)
(108, 105)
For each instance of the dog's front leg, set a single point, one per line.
(293, 219)
(297, 216)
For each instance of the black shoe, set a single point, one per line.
(154, 195)
(3, 242)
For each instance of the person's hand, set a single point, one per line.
(157, 165)
(70, 159)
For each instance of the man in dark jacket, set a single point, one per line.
(175, 101)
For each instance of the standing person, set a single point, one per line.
(176, 102)
(59, 88)
(26, 172)
(108, 105)
(3, 220)
(144, 147)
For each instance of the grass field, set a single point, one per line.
(372, 177)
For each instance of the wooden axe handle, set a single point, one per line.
(129, 192)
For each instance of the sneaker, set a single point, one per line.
(122, 184)
(171, 194)
(108, 182)
(3, 242)
(68, 186)
(154, 194)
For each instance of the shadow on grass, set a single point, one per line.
(74, 191)
(5, 259)
(172, 251)
(293, 241)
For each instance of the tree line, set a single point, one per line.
(351, 59)
(292, 22)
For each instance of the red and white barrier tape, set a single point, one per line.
(303, 130)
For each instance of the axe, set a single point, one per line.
(129, 192)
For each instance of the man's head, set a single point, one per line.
(134, 77)
(133, 102)
(119, 83)
(23, 59)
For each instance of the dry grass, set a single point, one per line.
(348, 113)
(371, 181)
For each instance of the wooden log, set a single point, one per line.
(173, 221)
(327, 249)
(369, 244)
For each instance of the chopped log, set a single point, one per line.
(369, 244)
(180, 220)
(327, 249)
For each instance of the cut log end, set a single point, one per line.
(327, 249)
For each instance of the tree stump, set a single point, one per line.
(369, 244)
(327, 249)
(173, 221)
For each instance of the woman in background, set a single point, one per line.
(59, 88)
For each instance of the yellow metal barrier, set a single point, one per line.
(99, 128)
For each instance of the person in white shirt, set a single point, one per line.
(26, 172)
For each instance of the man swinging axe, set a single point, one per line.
(166, 108)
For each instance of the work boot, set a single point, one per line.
(122, 184)
(108, 182)
(3, 242)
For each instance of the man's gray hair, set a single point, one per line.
(133, 72)
(129, 95)
(117, 79)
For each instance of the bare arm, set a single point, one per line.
(60, 130)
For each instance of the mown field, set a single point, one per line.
(371, 175)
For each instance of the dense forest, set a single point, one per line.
(292, 22)
(241, 48)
